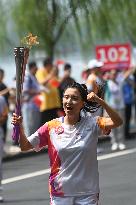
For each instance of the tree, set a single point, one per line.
(46, 18)
(3, 27)
(113, 19)
(92, 21)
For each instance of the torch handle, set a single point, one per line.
(20, 60)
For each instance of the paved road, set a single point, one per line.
(117, 179)
(32, 190)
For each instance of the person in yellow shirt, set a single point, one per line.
(50, 97)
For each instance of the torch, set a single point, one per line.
(21, 57)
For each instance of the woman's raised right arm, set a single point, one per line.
(114, 120)
(24, 143)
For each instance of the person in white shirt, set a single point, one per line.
(116, 101)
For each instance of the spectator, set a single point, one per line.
(55, 80)
(84, 75)
(50, 97)
(95, 81)
(96, 84)
(128, 93)
(3, 118)
(135, 93)
(6, 94)
(65, 81)
(116, 101)
(30, 109)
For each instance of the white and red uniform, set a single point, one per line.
(73, 158)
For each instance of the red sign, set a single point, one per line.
(116, 56)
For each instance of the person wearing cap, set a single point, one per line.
(94, 79)
(96, 84)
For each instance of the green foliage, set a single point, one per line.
(109, 21)
(113, 19)
(66, 23)
(47, 19)
(3, 27)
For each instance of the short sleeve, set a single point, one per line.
(101, 122)
(98, 129)
(40, 138)
(26, 84)
(92, 125)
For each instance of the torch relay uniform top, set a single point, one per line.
(72, 153)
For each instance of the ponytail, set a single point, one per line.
(88, 106)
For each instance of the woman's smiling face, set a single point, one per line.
(72, 101)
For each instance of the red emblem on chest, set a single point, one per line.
(59, 130)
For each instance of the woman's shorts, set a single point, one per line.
(78, 200)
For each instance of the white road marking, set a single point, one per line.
(47, 171)
(25, 176)
(116, 154)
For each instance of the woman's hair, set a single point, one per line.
(89, 106)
